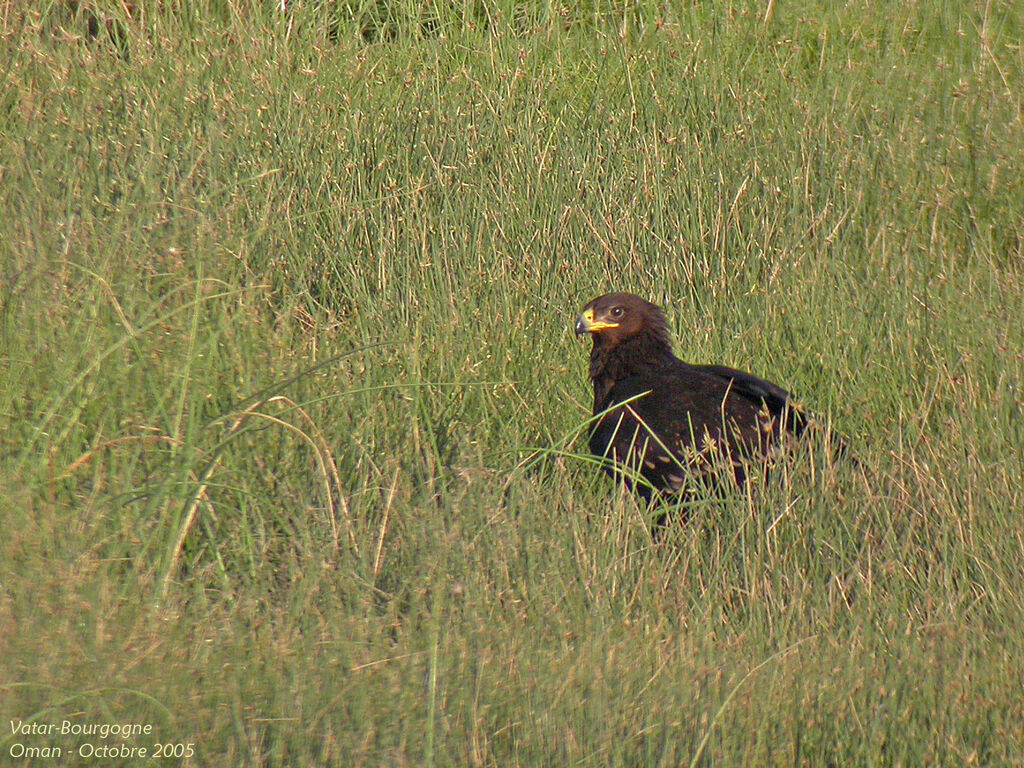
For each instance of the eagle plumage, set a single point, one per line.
(670, 422)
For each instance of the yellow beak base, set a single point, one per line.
(587, 324)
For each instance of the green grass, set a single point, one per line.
(286, 319)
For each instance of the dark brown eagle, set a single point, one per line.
(673, 424)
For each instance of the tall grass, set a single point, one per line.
(290, 403)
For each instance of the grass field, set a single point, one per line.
(290, 406)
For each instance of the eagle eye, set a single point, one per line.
(617, 312)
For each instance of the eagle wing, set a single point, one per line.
(683, 420)
(780, 403)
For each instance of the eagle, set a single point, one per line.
(664, 426)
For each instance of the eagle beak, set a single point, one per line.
(586, 323)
